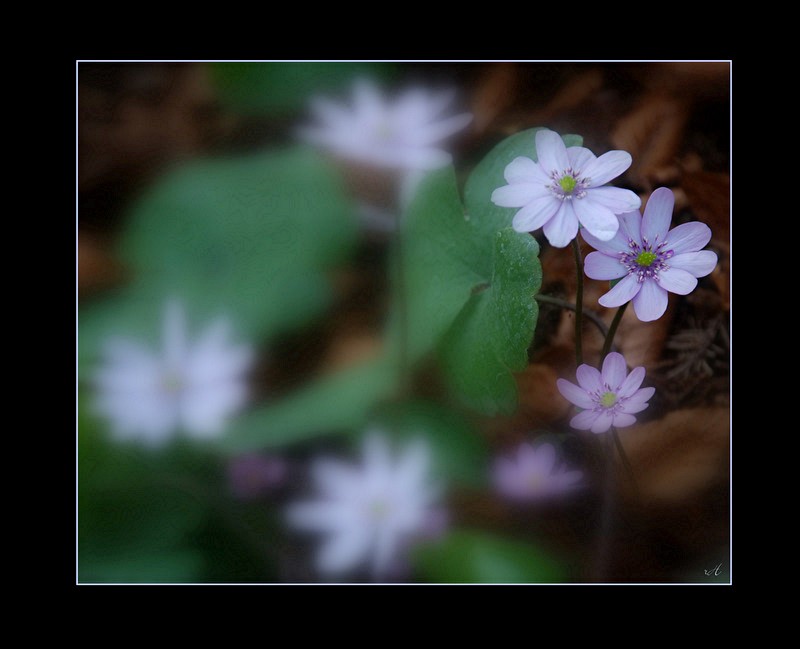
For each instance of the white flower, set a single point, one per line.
(565, 188)
(401, 134)
(369, 513)
(194, 386)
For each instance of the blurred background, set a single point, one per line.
(236, 303)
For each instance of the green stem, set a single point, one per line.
(576, 248)
(612, 330)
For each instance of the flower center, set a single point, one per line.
(645, 260)
(535, 481)
(384, 132)
(568, 184)
(172, 383)
(378, 509)
(608, 399)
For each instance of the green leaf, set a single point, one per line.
(250, 236)
(488, 176)
(444, 259)
(331, 404)
(466, 556)
(470, 290)
(279, 87)
(459, 452)
(490, 337)
(135, 516)
(134, 567)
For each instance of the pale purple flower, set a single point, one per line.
(403, 133)
(252, 475)
(564, 189)
(370, 513)
(190, 385)
(608, 398)
(533, 474)
(650, 258)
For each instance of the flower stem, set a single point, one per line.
(590, 315)
(625, 461)
(600, 567)
(576, 248)
(612, 330)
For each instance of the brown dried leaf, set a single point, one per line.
(351, 348)
(539, 400)
(709, 197)
(497, 89)
(652, 133)
(678, 457)
(97, 269)
(695, 80)
(580, 87)
(149, 113)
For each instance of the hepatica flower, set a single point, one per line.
(608, 398)
(565, 188)
(190, 385)
(405, 133)
(650, 258)
(369, 513)
(533, 474)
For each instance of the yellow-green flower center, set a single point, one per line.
(645, 258)
(568, 184)
(379, 509)
(535, 480)
(172, 383)
(608, 399)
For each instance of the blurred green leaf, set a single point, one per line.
(467, 556)
(180, 566)
(334, 403)
(488, 176)
(138, 508)
(128, 512)
(250, 236)
(459, 452)
(275, 88)
(469, 289)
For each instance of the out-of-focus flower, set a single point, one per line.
(253, 475)
(564, 188)
(404, 134)
(369, 513)
(651, 258)
(608, 398)
(533, 474)
(195, 386)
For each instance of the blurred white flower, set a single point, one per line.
(401, 134)
(193, 386)
(369, 513)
